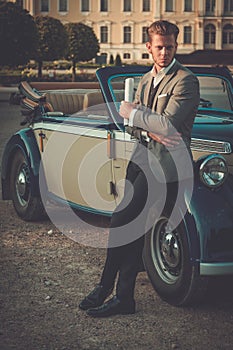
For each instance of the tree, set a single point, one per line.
(53, 40)
(118, 60)
(83, 44)
(18, 34)
(111, 60)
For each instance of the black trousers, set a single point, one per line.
(127, 231)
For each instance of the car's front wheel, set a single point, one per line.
(27, 206)
(168, 264)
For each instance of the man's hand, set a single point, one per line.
(125, 109)
(168, 141)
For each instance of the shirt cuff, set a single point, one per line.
(145, 136)
(131, 117)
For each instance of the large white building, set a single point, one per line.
(121, 25)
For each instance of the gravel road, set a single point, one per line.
(44, 275)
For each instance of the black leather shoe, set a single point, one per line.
(112, 307)
(95, 298)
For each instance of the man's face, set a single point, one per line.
(163, 49)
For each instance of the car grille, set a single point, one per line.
(211, 146)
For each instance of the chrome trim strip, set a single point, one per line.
(211, 146)
(90, 131)
(214, 269)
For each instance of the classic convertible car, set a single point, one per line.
(75, 150)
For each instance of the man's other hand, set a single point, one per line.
(168, 141)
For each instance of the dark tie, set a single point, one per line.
(152, 93)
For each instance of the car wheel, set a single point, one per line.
(27, 206)
(167, 262)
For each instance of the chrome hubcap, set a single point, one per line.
(170, 250)
(22, 185)
(166, 252)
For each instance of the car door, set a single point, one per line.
(76, 160)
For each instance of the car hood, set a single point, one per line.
(213, 128)
(213, 119)
(214, 112)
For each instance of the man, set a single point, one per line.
(160, 118)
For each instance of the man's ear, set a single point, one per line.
(148, 46)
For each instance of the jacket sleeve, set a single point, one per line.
(180, 107)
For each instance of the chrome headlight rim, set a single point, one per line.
(213, 170)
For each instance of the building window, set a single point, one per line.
(210, 6)
(169, 6)
(126, 56)
(228, 6)
(144, 35)
(44, 5)
(63, 6)
(85, 6)
(188, 5)
(104, 5)
(127, 34)
(146, 5)
(227, 34)
(187, 34)
(210, 34)
(145, 56)
(127, 6)
(104, 34)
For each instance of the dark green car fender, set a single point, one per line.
(212, 219)
(25, 141)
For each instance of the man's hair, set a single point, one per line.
(162, 28)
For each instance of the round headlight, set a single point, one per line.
(213, 170)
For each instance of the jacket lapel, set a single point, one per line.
(164, 82)
(146, 89)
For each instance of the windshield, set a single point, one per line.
(214, 91)
(118, 87)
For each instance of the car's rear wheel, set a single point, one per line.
(27, 206)
(168, 264)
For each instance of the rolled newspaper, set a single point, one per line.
(129, 89)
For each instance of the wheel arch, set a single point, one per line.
(25, 141)
(193, 237)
